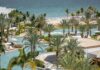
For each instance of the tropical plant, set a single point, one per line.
(21, 60)
(64, 23)
(98, 24)
(2, 50)
(32, 38)
(48, 28)
(74, 23)
(73, 57)
(40, 22)
(82, 29)
(56, 45)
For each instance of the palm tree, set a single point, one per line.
(2, 25)
(78, 13)
(48, 28)
(2, 18)
(82, 30)
(64, 23)
(56, 44)
(72, 53)
(82, 11)
(40, 22)
(8, 23)
(31, 64)
(24, 20)
(74, 23)
(98, 23)
(98, 20)
(21, 60)
(87, 16)
(67, 12)
(33, 21)
(32, 38)
(71, 21)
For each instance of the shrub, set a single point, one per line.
(97, 33)
(32, 54)
(39, 63)
(49, 49)
(94, 36)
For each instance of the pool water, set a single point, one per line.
(8, 55)
(60, 31)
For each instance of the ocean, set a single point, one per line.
(53, 8)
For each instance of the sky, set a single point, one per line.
(47, 3)
(51, 7)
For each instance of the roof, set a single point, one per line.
(85, 43)
(88, 43)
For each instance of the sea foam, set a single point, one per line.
(5, 10)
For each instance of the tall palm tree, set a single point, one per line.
(8, 23)
(88, 16)
(32, 38)
(2, 25)
(82, 11)
(82, 29)
(67, 12)
(48, 28)
(98, 23)
(64, 23)
(71, 21)
(98, 20)
(2, 18)
(74, 23)
(40, 22)
(24, 20)
(56, 44)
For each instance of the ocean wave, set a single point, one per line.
(5, 10)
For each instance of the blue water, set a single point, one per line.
(53, 8)
(60, 31)
(7, 56)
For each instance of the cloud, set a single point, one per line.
(5, 10)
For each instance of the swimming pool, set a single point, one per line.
(60, 31)
(7, 56)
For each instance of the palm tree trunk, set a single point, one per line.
(63, 31)
(7, 33)
(68, 30)
(72, 28)
(49, 36)
(75, 30)
(82, 35)
(90, 32)
(87, 33)
(57, 58)
(31, 48)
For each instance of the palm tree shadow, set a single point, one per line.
(52, 59)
